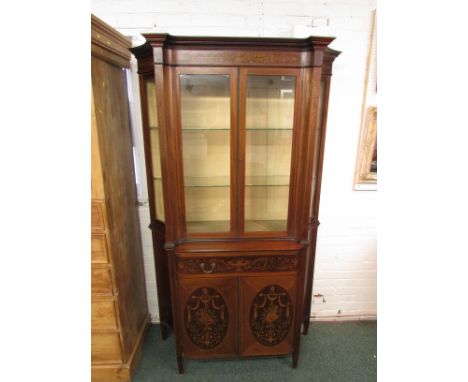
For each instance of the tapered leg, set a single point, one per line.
(164, 332)
(295, 357)
(309, 277)
(180, 363)
(305, 326)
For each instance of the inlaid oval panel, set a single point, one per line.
(206, 317)
(271, 315)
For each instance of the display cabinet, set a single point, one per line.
(234, 137)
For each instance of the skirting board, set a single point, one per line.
(344, 317)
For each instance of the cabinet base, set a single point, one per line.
(121, 372)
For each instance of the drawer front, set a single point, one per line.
(208, 316)
(105, 347)
(266, 316)
(101, 280)
(237, 264)
(97, 216)
(99, 249)
(103, 313)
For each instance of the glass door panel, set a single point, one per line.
(206, 127)
(269, 133)
(155, 149)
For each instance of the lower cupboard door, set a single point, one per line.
(208, 317)
(266, 317)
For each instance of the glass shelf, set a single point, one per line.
(208, 226)
(269, 129)
(218, 129)
(267, 180)
(205, 181)
(224, 181)
(265, 225)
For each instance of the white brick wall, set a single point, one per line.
(346, 251)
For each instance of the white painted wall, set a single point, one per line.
(346, 251)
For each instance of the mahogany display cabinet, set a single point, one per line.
(234, 132)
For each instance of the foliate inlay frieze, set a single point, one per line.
(271, 315)
(206, 318)
(237, 264)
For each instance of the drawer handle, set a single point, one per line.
(206, 269)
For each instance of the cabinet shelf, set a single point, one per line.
(265, 225)
(228, 129)
(224, 181)
(208, 226)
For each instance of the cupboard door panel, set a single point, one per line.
(208, 316)
(97, 216)
(266, 316)
(101, 280)
(103, 314)
(99, 249)
(105, 347)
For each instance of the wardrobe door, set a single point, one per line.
(208, 316)
(266, 316)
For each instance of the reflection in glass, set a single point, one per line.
(205, 113)
(155, 149)
(269, 131)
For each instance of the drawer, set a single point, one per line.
(97, 216)
(99, 249)
(105, 347)
(103, 313)
(236, 264)
(101, 280)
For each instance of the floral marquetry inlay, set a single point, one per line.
(271, 315)
(206, 318)
(237, 264)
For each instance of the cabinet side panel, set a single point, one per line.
(97, 186)
(112, 116)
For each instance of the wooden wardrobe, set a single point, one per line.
(119, 312)
(234, 134)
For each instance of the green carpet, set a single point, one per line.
(331, 352)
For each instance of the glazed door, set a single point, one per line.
(269, 104)
(266, 316)
(208, 132)
(150, 120)
(237, 150)
(208, 316)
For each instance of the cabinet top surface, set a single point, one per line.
(155, 38)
